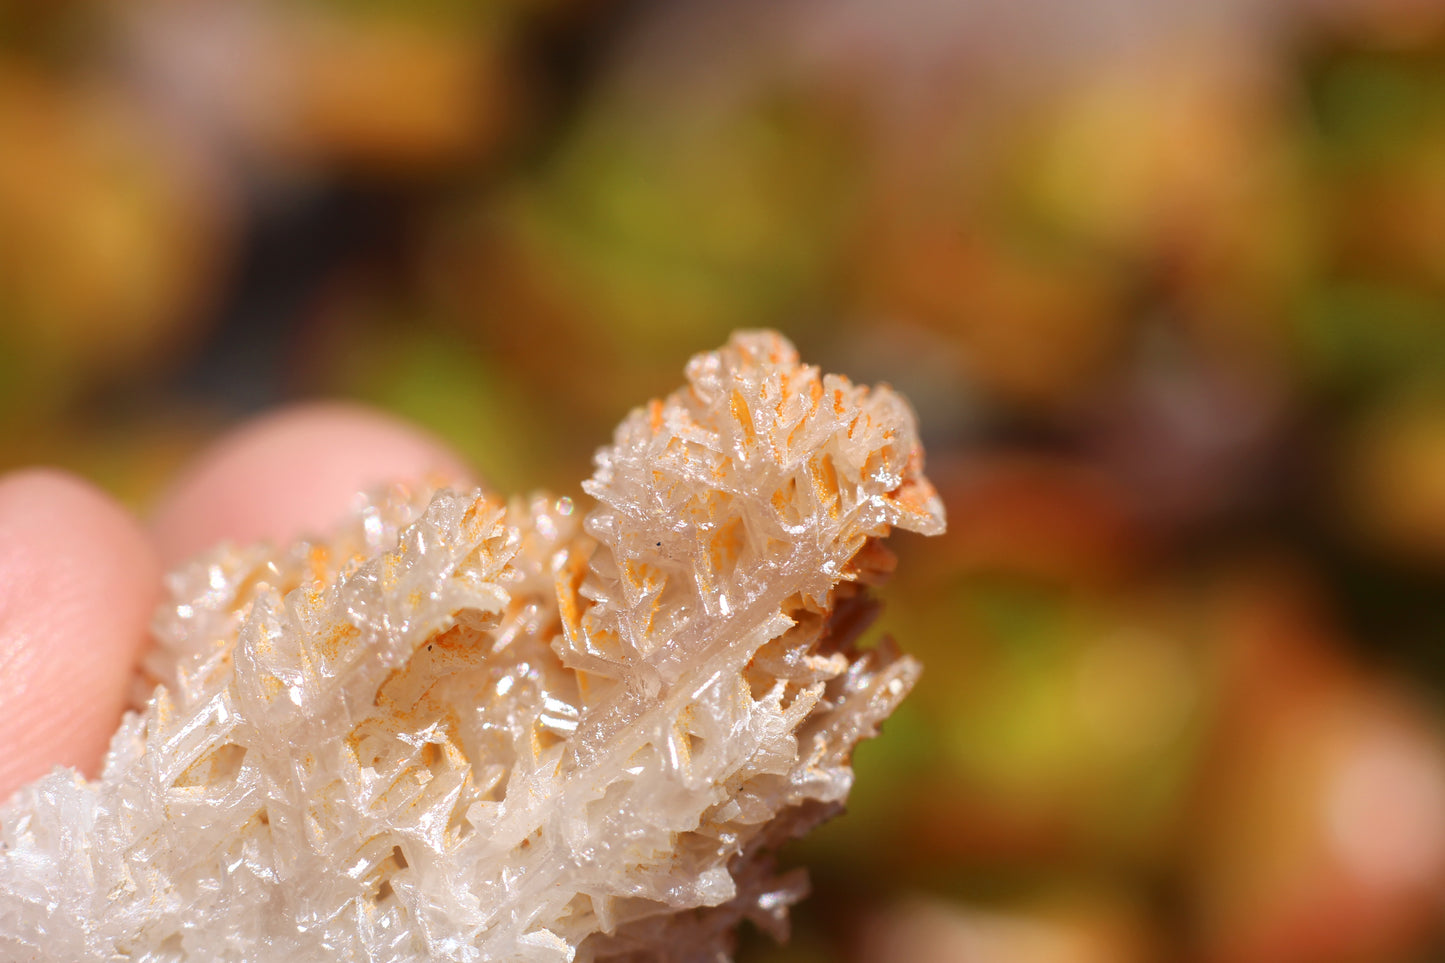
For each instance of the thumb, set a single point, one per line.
(78, 581)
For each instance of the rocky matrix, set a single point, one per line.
(465, 729)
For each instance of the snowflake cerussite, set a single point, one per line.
(465, 729)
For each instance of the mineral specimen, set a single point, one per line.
(464, 729)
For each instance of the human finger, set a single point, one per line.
(78, 580)
(292, 473)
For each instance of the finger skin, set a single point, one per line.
(78, 580)
(293, 473)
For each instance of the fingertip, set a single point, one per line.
(78, 580)
(291, 473)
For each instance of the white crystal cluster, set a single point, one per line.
(469, 730)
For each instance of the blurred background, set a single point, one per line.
(1165, 282)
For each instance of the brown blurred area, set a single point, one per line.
(1165, 282)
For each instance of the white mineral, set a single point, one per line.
(469, 730)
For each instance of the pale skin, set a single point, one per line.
(80, 575)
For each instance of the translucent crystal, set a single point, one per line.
(464, 729)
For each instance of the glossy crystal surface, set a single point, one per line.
(469, 729)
